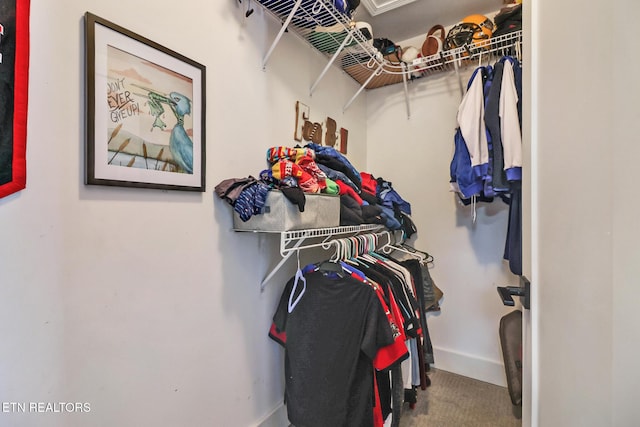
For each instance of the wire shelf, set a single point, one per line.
(296, 240)
(337, 36)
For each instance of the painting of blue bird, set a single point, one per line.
(180, 144)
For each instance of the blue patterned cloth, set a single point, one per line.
(251, 201)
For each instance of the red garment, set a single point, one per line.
(369, 183)
(285, 168)
(397, 351)
(310, 166)
(378, 421)
(388, 355)
(346, 189)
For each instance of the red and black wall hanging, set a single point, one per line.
(14, 85)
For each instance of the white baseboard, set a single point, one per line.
(276, 418)
(470, 366)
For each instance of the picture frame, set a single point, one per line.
(145, 121)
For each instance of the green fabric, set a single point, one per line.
(328, 42)
(332, 187)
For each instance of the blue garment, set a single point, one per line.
(461, 171)
(390, 220)
(488, 177)
(513, 244)
(332, 152)
(390, 197)
(335, 175)
(251, 200)
(492, 121)
(352, 270)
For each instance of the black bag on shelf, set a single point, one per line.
(508, 20)
(390, 51)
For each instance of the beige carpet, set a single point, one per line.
(456, 401)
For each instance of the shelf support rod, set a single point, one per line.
(377, 72)
(284, 27)
(457, 68)
(330, 63)
(406, 89)
(286, 254)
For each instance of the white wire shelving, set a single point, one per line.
(296, 240)
(337, 36)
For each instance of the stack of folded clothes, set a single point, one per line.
(313, 169)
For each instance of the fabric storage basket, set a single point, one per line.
(320, 211)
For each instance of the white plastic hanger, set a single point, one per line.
(299, 277)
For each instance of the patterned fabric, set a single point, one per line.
(335, 154)
(310, 166)
(251, 200)
(275, 154)
(284, 169)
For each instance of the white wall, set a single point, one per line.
(574, 183)
(468, 256)
(144, 303)
(170, 329)
(626, 268)
(586, 119)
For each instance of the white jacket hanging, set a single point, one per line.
(471, 123)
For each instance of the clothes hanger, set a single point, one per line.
(299, 277)
(388, 248)
(333, 263)
(428, 257)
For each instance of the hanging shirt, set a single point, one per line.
(510, 124)
(332, 337)
(492, 120)
(471, 122)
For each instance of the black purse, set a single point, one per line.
(389, 50)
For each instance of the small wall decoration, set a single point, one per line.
(344, 136)
(145, 112)
(331, 135)
(14, 84)
(302, 115)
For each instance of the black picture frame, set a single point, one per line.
(145, 112)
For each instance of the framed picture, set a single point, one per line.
(145, 112)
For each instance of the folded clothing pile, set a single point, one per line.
(312, 169)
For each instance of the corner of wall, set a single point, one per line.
(470, 366)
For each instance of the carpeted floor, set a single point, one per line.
(456, 401)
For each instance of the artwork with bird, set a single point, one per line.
(150, 110)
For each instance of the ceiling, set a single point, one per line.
(416, 18)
